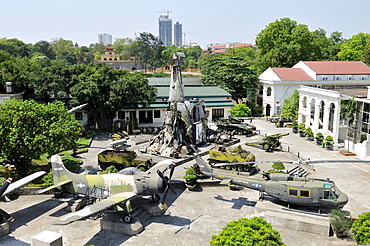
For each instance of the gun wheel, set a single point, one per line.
(127, 218)
(266, 146)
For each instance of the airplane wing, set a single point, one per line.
(22, 182)
(161, 166)
(54, 186)
(95, 208)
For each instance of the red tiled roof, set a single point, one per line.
(338, 67)
(291, 74)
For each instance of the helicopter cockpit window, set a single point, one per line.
(293, 192)
(328, 194)
(304, 193)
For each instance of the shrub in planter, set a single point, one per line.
(301, 129)
(361, 229)
(295, 126)
(328, 143)
(340, 222)
(190, 177)
(319, 138)
(309, 134)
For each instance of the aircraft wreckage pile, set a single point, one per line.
(185, 122)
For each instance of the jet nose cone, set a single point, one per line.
(342, 200)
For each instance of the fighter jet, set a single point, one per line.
(293, 190)
(8, 187)
(114, 190)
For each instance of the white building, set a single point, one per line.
(277, 84)
(105, 39)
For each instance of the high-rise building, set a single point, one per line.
(105, 39)
(177, 34)
(165, 30)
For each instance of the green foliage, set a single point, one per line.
(233, 71)
(244, 231)
(284, 42)
(348, 110)
(48, 179)
(240, 110)
(278, 166)
(301, 127)
(319, 136)
(110, 169)
(361, 229)
(355, 48)
(190, 177)
(35, 129)
(340, 221)
(2, 181)
(329, 140)
(295, 124)
(291, 106)
(363, 137)
(309, 132)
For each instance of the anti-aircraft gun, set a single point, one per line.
(270, 142)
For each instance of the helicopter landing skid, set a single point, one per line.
(318, 213)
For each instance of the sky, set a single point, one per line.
(203, 22)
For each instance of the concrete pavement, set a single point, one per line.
(193, 217)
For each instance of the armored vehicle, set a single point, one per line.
(232, 158)
(122, 159)
(235, 125)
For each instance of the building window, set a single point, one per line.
(269, 91)
(331, 117)
(157, 114)
(79, 115)
(121, 115)
(312, 115)
(304, 103)
(146, 116)
(261, 90)
(293, 192)
(217, 113)
(321, 115)
(304, 193)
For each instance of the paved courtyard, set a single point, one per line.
(194, 216)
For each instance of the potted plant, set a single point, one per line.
(295, 126)
(340, 222)
(328, 143)
(309, 134)
(301, 129)
(190, 178)
(319, 138)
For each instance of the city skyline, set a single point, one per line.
(205, 22)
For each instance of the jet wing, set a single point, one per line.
(22, 182)
(95, 208)
(54, 186)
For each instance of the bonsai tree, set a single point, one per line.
(190, 177)
(328, 141)
(340, 222)
(319, 138)
(244, 231)
(295, 126)
(309, 134)
(361, 229)
(301, 129)
(278, 167)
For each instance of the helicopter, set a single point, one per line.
(284, 187)
(114, 190)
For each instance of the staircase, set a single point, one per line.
(298, 171)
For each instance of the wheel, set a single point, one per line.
(155, 198)
(127, 218)
(266, 146)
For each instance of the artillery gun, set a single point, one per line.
(236, 126)
(232, 158)
(270, 142)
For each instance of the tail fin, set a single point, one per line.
(60, 173)
(203, 165)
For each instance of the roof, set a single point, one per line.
(196, 91)
(291, 74)
(338, 67)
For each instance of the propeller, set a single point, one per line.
(167, 181)
(4, 214)
(5, 186)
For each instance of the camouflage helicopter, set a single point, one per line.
(115, 190)
(292, 190)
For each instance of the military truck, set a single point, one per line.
(236, 126)
(224, 157)
(122, 159)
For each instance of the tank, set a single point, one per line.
(122, 159)
(221, 156)
(236, 126)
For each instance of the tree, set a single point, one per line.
(361, 229)
(329, 46)
(122, 47)
(244, 231)
(29, 129)
(233, 71)
(44, 47)
(291, 106)
(348, 110)
(355, 49)
(240, 110)
(283, 43)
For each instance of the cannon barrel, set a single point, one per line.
(278, 135)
